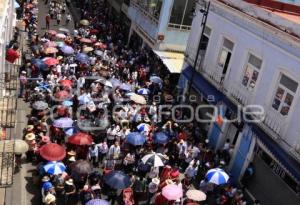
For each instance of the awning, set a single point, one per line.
(173, 61)
(289, 163)
(210, 93)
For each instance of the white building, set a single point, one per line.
(162, 25)
(7, 24)
(250, 54)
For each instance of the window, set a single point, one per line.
(251, 72)
(153, 7)
(225, 56)
(182, 12)
(205, 38)
(284, 95)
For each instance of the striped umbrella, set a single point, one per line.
(143, 127)
(217, 176)
(54, 168)
(97, 202)
(143, 91)
(155, 159)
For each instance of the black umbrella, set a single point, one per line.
(81, 167)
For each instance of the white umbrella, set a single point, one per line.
(139, 99)
(217, 176)
(196, 195)
(155, 159)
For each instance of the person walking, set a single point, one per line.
(58, 18)
(48, 18)
(68, 19)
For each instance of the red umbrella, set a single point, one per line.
(80, 138)
(93, 31)
(51, 61)
(62, 95)
(53, 152)
(85, 40)
(66, 83)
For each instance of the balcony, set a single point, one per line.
(135, 4)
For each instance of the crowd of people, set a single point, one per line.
(95, 131)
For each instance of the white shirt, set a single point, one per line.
(103, 148)
(114, 151)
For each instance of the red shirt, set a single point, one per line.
(12, 55)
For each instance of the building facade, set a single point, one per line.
(248, 65)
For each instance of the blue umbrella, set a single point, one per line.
(115, 82)
(97, 202)
(135, 138)
(84, 99)
(39, 63)
(67, 103)
(67, 50)
(117, 180)
(156, 79)
(161, 138)
(125, 87)
(55, 168)
(143, 127)
(70, 131)
(43, 86)
(143, 91)
(217, 176)
(82, 58)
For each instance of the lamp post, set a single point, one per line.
(205, 11)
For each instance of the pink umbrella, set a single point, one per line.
(85, 40)
(61, 36)
(51, 61)
(50, 44)
(172, 192)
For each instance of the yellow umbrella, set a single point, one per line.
(87, 49)
(138, 99)
(84, 22)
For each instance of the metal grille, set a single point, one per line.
(6, 163)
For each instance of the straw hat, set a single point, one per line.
(30, 127)
(72, 159)
(50, 198)
(45, 179)
(30, 136)
(156, 181)
(71, 153)
(70, 182)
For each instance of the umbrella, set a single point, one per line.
(115, 82)
(54, 168)
(125, 87)
(81, 167)
(66, 83)
(70, 131)
(50, 50)
(52, 32)
(161, 138)
(60, 44)
(52, 152)
(156, 79)
(100, 45)
(67, 50)
(217, 176)
(117, 180)
(138, 99)
(82, 58)
(67, 103)
(97, 202)
(172, 192)
(144, 127)
(84, 22)
(85, 40)
(20, 146)
(98, 52)
(196, 195)
(16, 5)
(155, 159)
(40, 105)
(62, 95)
(64, 122)
(143, 91)
(94, 31)
(135, 138)
(88, 49)
(64, 30)
(50, 44)
(51, 61)
(104, 82)
(60, 36)
(81, 138)
(39, 63)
